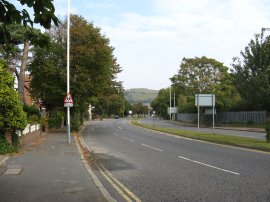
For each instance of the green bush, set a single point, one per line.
(31, 110)
(33, 119)
(75, 122)
(12, 116)
(5, 147)
(56, 120)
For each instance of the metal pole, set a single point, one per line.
(198, 105)
(68, 51)
(213, 100)
(174, 106)
(170, 102)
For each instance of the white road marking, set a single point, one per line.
(92, 129)
(127, 139)
(119, 128)
(152, 147)
(115, 134)
(228, 171)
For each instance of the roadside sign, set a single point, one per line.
(68, 101)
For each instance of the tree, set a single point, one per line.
(9, 14)
(162, 102)
(93, 68)
(205, 76)
(251, 74)
(12, 116)
(21, 36)
(48, 74)
(139, 108)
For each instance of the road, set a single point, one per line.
(156, 167)
(218, 130)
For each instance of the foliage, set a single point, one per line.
(109, 105)
(33, 119)
(31, 110)
(48, 73)
(55, 120)
(12, 116)
(93, 69)
(75, 122)
(205, 76)
(43, 15)
(251, 74)
(6, 147)
(139, 108)
(162, 102)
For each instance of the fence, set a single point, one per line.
(29, 129)
(226, 117)
(187, 117)
(242, 117)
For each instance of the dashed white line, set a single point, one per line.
(115, 134)
(228, 171)
(152, 147)
(119, 128)
(125, 138)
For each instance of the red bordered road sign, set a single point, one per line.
(68, 101)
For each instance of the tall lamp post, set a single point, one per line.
(68, 52)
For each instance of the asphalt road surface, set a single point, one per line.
(156, 167)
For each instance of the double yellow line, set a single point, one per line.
(118, 186)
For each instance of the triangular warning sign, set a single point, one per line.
(68, 99)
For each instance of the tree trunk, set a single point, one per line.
(22, 70)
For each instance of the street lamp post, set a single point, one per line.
(68, 52)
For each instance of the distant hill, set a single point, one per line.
(140, 95)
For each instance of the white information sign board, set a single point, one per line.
(205, 100)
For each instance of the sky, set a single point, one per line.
(151, 37)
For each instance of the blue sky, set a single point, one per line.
(152, 36)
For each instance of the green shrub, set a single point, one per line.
(5, 147)
(75, 122)
(56, 120)
(31, 110)
(12, 116)
(33, 119)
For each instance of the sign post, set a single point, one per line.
(205, 100)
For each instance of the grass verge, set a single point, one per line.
(249, 143)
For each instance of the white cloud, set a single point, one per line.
(152, 44)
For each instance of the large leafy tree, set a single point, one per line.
(251, 74)
(48, 74)
(93, 67)
(202, 76)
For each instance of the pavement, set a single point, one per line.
(250, 129)
(50, 170)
